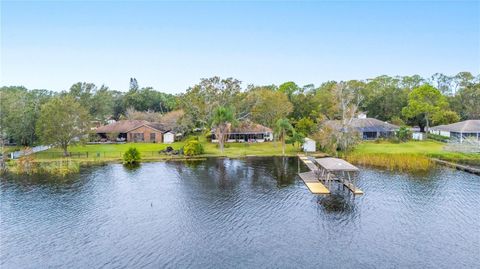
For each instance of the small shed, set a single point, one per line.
(418, 136)
(168, 137)
(309, 145)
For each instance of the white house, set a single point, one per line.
(309, 145)
(459, 130)
(168, 137)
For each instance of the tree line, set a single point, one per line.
(28, 117)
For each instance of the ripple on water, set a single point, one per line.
(253, 213)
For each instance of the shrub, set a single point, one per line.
(404, 134)
(131, 156)
(436, 137)
(193, 147)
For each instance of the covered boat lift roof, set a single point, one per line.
(336, 165)
(323, 171)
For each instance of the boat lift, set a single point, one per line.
(324, 171)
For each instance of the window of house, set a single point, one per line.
(138, 137)
(152, 137)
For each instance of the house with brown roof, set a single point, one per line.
(246, 131)
(133, 131)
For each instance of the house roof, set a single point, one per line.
(124, 126)
(365, 125)
(121, 126)
(467, 126)
(246, 127)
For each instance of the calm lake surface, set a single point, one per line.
(251, 213)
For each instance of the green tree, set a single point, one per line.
(268, 106)
(305, 126)
(62, 121)
(200, 101)
(445, 117)
(467, 100)
(289, 89)
(283, 127)
(326, 101)
(296, 138)
(426, 101)
(223, 117)
(384, 96)
(19, 112)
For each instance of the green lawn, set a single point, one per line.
(411, 147)
(150, 151)
(427, 148)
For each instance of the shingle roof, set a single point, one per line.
(246, 127)
(123, 126)
(365, 125)
(467, 126)
(250, 127)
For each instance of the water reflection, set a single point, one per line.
(252, 212)
(337, 202)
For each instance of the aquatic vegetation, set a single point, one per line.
(397, 162)
(27, 165)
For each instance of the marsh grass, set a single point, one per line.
(393, 162)
(28, 166)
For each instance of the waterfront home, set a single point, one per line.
(134, 131)
(246, 131)
(369, 128)
(459, 131)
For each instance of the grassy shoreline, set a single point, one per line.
(408, 156)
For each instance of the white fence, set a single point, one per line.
(20, 153)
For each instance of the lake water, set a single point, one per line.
(252, 213)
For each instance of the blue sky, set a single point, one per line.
(171, 45)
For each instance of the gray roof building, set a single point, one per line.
(370, 128)
(467, 126)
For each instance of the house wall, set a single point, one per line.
(245, 137)
(442, 133)
(146, 131)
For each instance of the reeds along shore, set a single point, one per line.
(398, 162)
(30, 167)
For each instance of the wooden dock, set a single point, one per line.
(353, 189)
(315, 186)
(309, 178)
(313, 182)
(457, 166)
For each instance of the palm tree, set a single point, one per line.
(282, 126)
(222, 117)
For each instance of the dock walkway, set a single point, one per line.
(312, 178)
(309, 178)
